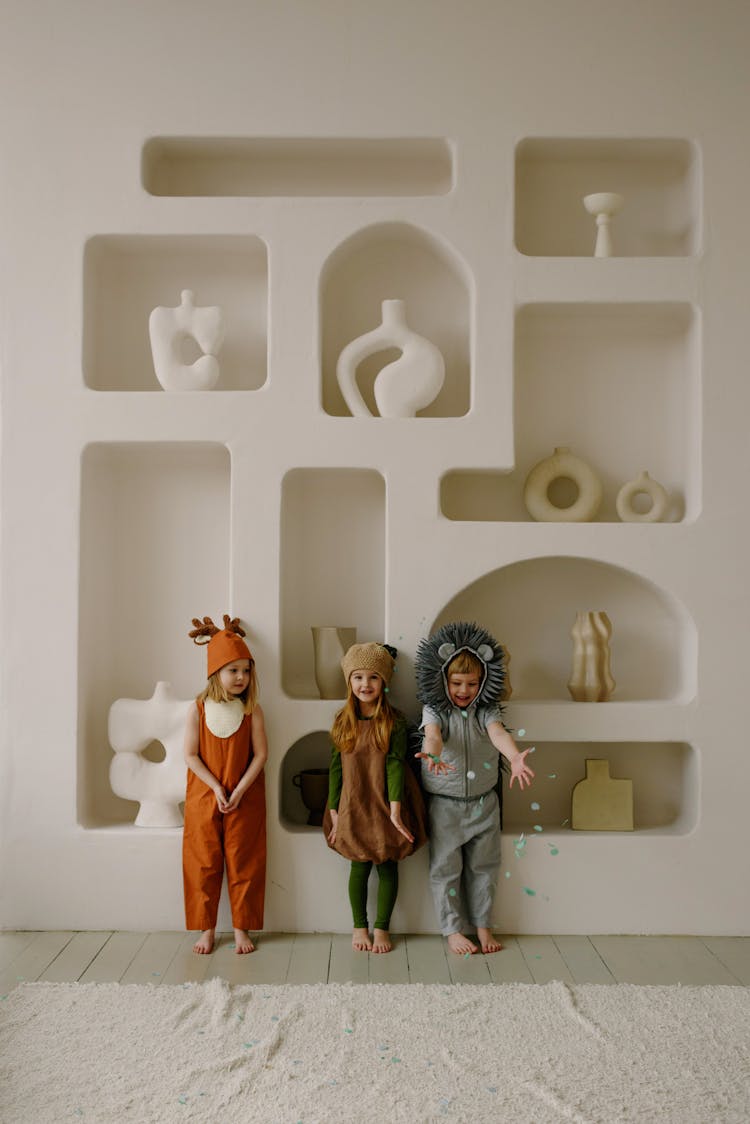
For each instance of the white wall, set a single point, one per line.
(638, 361)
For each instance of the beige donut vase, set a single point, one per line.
(562, 464)
(643, 484)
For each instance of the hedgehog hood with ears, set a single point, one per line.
(436, 652)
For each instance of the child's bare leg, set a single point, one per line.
(242, 942)
(361, 940)
(205, 943)
(381, 941)
(460, 944)
(488, 940)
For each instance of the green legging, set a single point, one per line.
(387, 891)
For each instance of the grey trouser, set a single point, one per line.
(464, 859)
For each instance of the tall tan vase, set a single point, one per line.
(329, 645)
(591, 679)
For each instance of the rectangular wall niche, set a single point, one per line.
(155, 544)
(332, 563)
(297, 166)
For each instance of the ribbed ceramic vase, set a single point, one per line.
(409, 383)
(591, 678)
(329, 645)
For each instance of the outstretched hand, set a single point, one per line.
(520, 771)
(436, 764)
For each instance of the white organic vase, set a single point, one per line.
(408, 384)
(562, 465)
(603, 204)
(591, 678)
(159, 787)
(169, 328)
(329, 645)
(642, 485)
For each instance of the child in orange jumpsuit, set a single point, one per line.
(225, 804)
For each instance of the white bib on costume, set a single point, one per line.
(224, 718)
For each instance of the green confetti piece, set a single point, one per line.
(531, 893)
(348, 1030)
(464, 714)
(522, 733)
(564, 823)
(554, 851)
(507, 874)
(395, 1059)
(535, 807)
(467, 955)
(451, 893)
(552, 776)
(492, 1088)
(538, 827)
(241, 1018)
(487, 764)
(274, 1018)
(182, 1100)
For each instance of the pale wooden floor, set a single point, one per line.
(306, 958)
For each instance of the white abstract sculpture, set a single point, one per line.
(603, 204)
(158, 786)
(402, 387)
(169, 328)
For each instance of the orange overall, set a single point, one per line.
(212, 838)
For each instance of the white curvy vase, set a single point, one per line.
(169, 328)
(330, 643)
(158, 786)
(408, 384)
(591, 678)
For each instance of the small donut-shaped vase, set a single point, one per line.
(563, 464)
(653, 489)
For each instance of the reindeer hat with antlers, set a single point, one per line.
(224, 645)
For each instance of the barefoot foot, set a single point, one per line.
(460, 944)
(205, 943)
(487, 940)
(381, 941)
(361, 940)
(242, 942)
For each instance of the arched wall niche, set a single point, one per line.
(397, 261)
(530, 606)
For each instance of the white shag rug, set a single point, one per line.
(351, 1054)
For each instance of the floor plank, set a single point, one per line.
(347, 966)
(12, 945)
(188, 966)
(734, 954)
(390, 967)
(544, 960)
(35, 958)
(269, 964)
(470, 969)
(583, 961)
(661, 960)
(75, 958)
(114, 958)
(508, 965)
(311, 955)
(426, 958)
(150, 963)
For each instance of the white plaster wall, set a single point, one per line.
(83, 86)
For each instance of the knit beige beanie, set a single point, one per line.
(368, 657)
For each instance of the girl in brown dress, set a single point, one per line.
(375, 809)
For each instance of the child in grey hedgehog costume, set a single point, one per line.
(460, 678)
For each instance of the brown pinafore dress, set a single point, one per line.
(365, 832)
(212, 839)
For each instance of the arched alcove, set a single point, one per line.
(397, 261)
(312, 751)
(530, 606)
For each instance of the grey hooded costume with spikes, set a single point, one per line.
(463, 805)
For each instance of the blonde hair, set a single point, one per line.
(346, 723)
(465, 663)
(214, 691)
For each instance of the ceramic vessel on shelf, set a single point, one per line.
(158, 786)
(642, 485)
(169, 328)
(313, 787)
(329, 645)
(603, 205)
(601, 803)
(408, 384)
(591, 678)
(562, 465)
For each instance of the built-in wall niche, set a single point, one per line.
(397, 261)
(332, 565)
(313, 751)
(530, 607)
(297, 166)
(666, 787)
(126, 277)
(155, 551)
(619, 385)
(659, 179)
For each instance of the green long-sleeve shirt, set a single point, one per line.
(395, 760)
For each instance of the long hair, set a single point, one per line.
(345, 724)
(214, 691)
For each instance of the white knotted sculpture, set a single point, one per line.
(169, 328)
(409, 383)
(158, 786)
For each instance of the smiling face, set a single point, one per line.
(463, 687)
(367, 687)
(235, 677)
